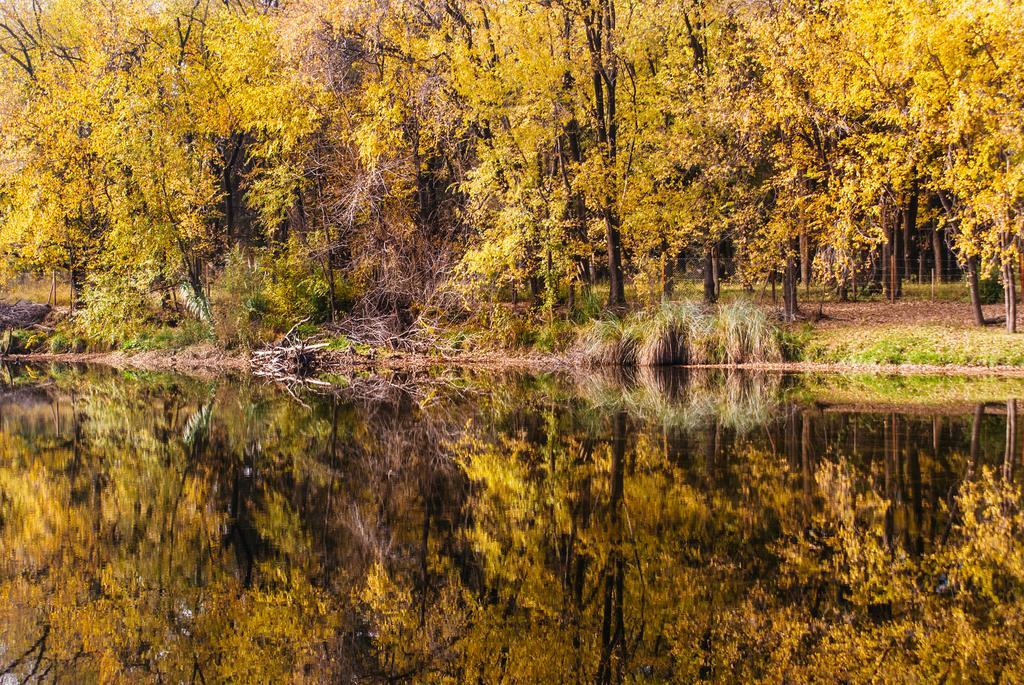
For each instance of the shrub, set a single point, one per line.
(170, 337)
(21, 341)
(295, 289)
(239, 303)
(554, 335)
(738, 333)
(59, 343)
(797, 343)
(507, 329)
(587, 306)
(116, 305)
(990, 290)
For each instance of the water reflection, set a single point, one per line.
(644, 528)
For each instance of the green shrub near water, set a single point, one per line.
(587, 306)
(22, 341)
(239, 303)
(59, 343)
(666, 336)
(553, 336)
(295, 289)
(64, 341)
(735, 333)
(261, 294)
(116, 305)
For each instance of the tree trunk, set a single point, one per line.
(973, 266)
(600, 28)
(1020, 266)
(1010, 297)
(332, 289)
(231, 155)
(805, 260)
(570, 156)
(536, 289)
(616, 287)
(909, 229)
(716, 268)
(887, 261)
(710, 295)
(891, 280)
(667, 273)
(853, 280)
(789, 286)
(937, 253)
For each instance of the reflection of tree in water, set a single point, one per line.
(658, 526)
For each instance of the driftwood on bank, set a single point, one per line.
(291, 361)
(294, 364)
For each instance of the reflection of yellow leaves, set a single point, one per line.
(390, 606)
(411, 636)
(264, 636)
(279, 523)
(34, 523)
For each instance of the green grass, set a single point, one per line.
(919, 345)
(167, 337)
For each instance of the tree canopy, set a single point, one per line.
(416, 151)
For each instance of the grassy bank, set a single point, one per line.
(930, 345)
(913, 333)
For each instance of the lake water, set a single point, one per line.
(598, 528)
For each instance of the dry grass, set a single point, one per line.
(665, 337)
(683, 334)
(745, 334)
(34, 289)
(608, 342)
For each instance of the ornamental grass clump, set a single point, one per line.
(664, 335)
(609, 342)
(683, 335)
(744, 335)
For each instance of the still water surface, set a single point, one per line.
(666, 527)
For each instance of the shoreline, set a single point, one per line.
(208, 361)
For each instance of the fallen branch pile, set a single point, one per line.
(290, 361)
